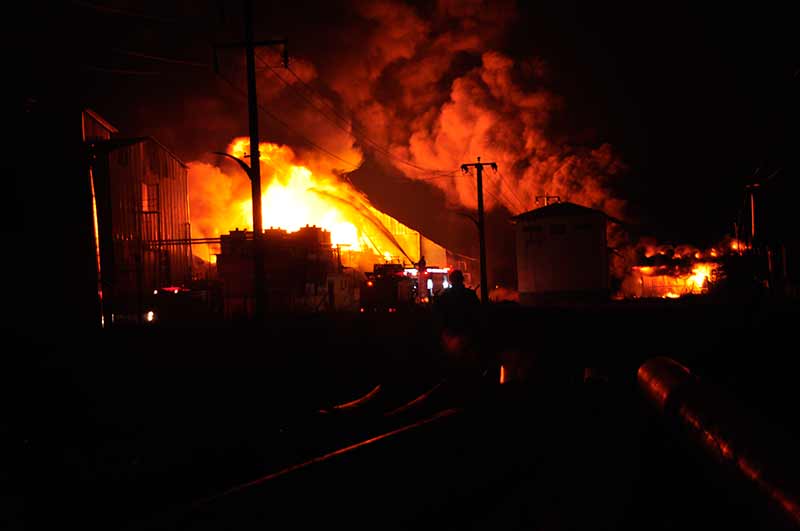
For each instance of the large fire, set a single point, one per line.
(671, 272)
(670, 282)
(294, 196)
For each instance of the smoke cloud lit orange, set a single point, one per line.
(426, 89)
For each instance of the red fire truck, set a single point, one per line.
(391, 287)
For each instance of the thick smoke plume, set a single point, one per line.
(435, 89)
(420, 90)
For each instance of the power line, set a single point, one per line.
(124, 12)
(512, 189)
(510, 195)
(499, 199)
(287, 126)
(489, 191)
(238, 89)
(349, 131)
(170, 60)
(119, 71)
(160, 58)
(520, 202)
(305, 98)
(229, 82)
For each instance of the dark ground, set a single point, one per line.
(123, 429)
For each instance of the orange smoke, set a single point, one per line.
(425, 90)
(428, 90)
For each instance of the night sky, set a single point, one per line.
(691, 100)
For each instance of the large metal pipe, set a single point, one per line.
(725, 431)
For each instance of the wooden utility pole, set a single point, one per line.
(481, 230)
(254, 168)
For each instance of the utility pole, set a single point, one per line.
(253, 170)
(255, 165)
(481, 230)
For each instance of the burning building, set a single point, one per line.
(296, 195)
(562, 254)
(669, 272)
(298, 199)
(305, 272)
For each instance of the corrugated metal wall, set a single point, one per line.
(149, 210)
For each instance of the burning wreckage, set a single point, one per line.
(671, 272)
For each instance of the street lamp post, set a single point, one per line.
(258, 255)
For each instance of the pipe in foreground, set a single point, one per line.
(725, 431)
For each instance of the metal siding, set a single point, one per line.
(143, 262)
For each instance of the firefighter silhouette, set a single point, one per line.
(460, 322)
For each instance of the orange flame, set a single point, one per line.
(650, 281)
(294, 196)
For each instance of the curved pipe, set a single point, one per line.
(723, 430)
(356, 402)
(415, 401)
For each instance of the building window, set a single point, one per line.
(558, 228)
(532, 228)
(583, 226)
(149, 197)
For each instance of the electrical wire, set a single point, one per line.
(513, 193)
(119, 71)
(160, 58)
(124, 12)
(287, 126)
(228, 81)
(435, 173)
(500, 200)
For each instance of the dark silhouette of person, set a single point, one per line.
(458, 310)
(457, 304)
(421, 265)
(422, 289)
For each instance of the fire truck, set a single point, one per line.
(391, 287)
(387, 289)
